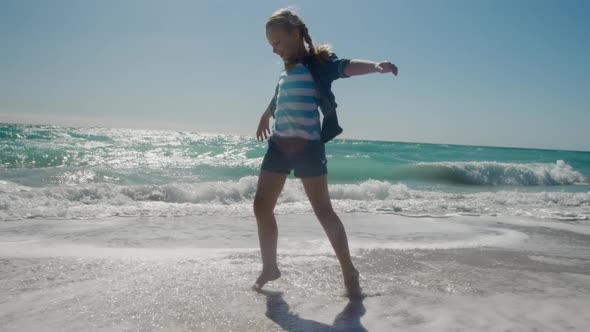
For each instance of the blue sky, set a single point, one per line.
(485, 72)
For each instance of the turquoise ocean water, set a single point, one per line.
(68, 173)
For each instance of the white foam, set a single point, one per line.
(370, 190)
(91, 200)
(491, 238)
(557, 260)
(579, 229)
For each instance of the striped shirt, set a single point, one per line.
(297, 112)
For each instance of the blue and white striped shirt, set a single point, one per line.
(297, 112)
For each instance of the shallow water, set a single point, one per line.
(195, 273)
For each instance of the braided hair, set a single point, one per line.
(286, 19)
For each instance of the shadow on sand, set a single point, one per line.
(278, 311)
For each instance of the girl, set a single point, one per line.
(297, 141)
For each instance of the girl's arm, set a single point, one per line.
(263, 130)
(362, 67)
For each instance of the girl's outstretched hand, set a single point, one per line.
(386, 67)
(263, 130)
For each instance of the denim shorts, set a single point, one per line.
(306, 157)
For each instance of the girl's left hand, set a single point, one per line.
(386, 67)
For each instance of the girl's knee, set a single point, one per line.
(325, 213)
(262, 206)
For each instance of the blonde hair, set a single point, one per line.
(286, 19)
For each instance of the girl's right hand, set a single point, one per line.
(263, 126)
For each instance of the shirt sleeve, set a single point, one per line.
(336, 67)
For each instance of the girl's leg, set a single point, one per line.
(316, 189)
(270, 185)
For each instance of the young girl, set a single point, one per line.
(297, 141)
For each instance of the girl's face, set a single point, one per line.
(283, 42)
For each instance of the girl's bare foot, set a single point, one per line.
(352, 284)
(266, 276)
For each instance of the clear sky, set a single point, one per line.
(481, 72)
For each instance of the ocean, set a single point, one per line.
(126, 229)
(74, 173)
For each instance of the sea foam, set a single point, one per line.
(92, 200)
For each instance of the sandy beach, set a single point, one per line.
(195, 273)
